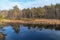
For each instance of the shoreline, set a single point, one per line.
(35, 21)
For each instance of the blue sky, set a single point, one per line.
(8, 4)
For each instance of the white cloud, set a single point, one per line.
(6, 4)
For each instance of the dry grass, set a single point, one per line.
(35, 21)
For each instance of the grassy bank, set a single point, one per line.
(34, 21)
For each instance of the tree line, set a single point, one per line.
(49, 12)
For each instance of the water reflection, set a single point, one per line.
(16, 27)
(51, 27)
(16, 31)
(57, 28)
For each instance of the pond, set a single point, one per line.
(29, 32)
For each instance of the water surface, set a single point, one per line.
(30, 32)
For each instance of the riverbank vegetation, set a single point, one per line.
(1, 17)
(46, 12)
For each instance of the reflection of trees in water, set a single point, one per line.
(1, 27)
(50, 27)
(29, 26)
(16, 27)
(56, 27)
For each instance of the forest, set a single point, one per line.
(46, 12)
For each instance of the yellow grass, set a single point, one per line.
(35, 21)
